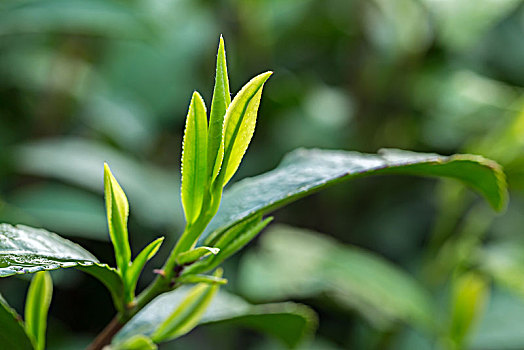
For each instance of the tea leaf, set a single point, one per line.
(289, 322)
(25, 249)
(138, 265)
(201, 279)
(194, 158)
(117, 209)
(303, 172)
(219, 104)
(188, 313)
(12, 332)
(296, 263)
(239, 125)
(195, 254)
(37, 306)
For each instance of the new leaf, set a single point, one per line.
(117, 212)
(36, 308)
(194, 158)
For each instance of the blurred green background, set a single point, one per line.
(88, 81)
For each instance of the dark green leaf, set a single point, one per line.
(303, 172)
(219, 104)
(12, 332)
(194, 158)
(36, 308)
(289, 322)
(25, 249)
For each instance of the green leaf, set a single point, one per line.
(25, 249)
(195, 254)
(303, 172)
(117, 209)
(239, 125)
(138, 342)
(201, 279)
(219, 104)
(138, 265)
(12, 332)
(194, 159)
(289, 322)
(296, 263)
(188, 313)
(468, 298)
(36, 308)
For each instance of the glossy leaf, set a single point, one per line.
(289, 322)
(188, 313)
(296, 263)
(138, 265)
(239, 125)
(303, 172)
(195, 254)
(219, 104)
(25, 249)
(12, 332)
(194, 158)
(36, 308)
(117, 208)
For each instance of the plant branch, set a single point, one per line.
(104, 338)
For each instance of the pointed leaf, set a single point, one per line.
(12, 332)
(219, 104)
(138, 265)
(194, 158)
(188, 313)
(117, 209)
(195, 254)
(303, 172)
(36, 308)
(239, 125)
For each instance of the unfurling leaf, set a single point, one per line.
(201, 279)
(188, 313)
(117, 212)
(239, 125)
(219, 104)
(194, 159)
(36, 308)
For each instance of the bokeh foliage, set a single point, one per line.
(83, 82)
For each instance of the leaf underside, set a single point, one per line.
(303, 172)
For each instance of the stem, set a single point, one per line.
(104, 338)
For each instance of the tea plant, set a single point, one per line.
(217, 226)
